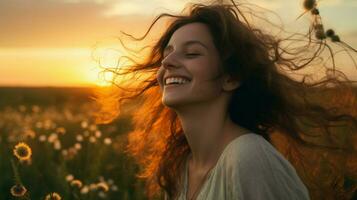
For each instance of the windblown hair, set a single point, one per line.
(300, 117)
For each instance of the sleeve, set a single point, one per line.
(262, 173)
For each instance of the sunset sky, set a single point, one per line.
(49, 42)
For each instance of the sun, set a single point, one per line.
(100, 77)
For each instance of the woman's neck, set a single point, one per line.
(208, 129)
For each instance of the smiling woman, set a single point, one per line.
(217, 105)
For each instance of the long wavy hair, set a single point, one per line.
(309, 121)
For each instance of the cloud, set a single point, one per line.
(86, 1)
(32, 23)
(145, 7)
(79, 23)
(346, 3)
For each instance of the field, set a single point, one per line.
(71, 156)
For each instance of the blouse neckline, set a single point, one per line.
(214, 168)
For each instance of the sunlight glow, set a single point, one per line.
(55, 67)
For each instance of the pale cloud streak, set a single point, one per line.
(338, 2)
(144, 7)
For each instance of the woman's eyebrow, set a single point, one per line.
(190, 42)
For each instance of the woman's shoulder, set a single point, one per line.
(254, 154)
(254, 148)
(255, 167)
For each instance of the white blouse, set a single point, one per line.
(250, 168)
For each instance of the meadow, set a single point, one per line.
(50, 147)
(70, 155)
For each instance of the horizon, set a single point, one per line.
(50, 43)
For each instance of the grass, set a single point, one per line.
(57, 124)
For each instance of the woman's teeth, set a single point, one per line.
(175, 80)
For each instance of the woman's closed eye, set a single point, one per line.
(192, 54)
(186, 54)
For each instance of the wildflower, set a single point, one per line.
(39, 125)
(71, 153)
(42, 138)
(29, 133)
(79, 138)
(22, 151)
(86, 133)
(18, 190)
(98, 134)
(61, 130)
(57, 144)
(64, 152)
(53, 196)
(69, 177)
(84, 190)
(92, 139)
(84, 124)
(78, 146)
(35, 109)
(92, 186)
(114, 188)
(107, 141)
(53, 137)
(102, 186)
(102, 195)
(47, 124)
(92, 127)
(76, 183)
(110, 181)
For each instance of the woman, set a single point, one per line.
(213, 96)
(251, 168)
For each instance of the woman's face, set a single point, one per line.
(190, 54)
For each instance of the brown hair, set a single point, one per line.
(269, 102)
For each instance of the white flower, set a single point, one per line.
(78, 146)
(98, 134)
(86, 133)
(102, 195)
(64, 152)
(52, 137)
(84, 190)
(92, 186)
(57, 145)
(92, 139)
(42, 138)
(69, 177)
(84, 124)
(107, 141)
(79, 138)
(114, 188)
(92, 127)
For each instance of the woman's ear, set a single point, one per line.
(230, 83)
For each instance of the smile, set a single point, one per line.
(175, 85)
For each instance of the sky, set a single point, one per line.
(50, 42)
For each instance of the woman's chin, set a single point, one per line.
(172, 101)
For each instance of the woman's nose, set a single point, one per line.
(170, 61)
